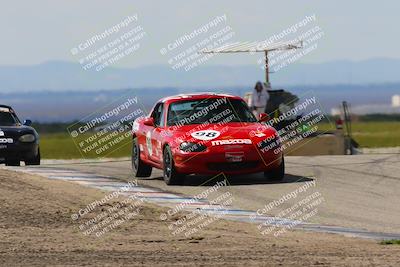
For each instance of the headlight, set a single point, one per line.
(192, 147)
(27, 138)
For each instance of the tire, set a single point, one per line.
(278, 173)
(13, 162)
(35, 160)
(140, 169)
(170, 175)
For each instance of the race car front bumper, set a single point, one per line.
(18, 151)
(232, 159)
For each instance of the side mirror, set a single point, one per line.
(149, 121)
(27, 122)
(263, 117)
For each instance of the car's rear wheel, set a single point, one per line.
(35, 160)
(278, 173)
(13, 162)
(140, 169)
(171, 176)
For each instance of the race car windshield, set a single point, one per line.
(209, 110)
(7, 119)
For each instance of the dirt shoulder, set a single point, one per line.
(36, 229)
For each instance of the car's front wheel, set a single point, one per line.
(171, 176)
(35, 160)
(278, 173)
(140, 169)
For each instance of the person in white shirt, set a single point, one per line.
(259, 99)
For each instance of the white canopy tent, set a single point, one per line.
(252, 47)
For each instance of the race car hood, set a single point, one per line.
(229, 131)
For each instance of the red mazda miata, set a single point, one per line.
(206, 134)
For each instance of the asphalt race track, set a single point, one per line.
(359, 192)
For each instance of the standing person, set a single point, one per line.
(259, 99)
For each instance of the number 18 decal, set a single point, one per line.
(205, 135)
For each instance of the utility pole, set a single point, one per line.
(266, 69)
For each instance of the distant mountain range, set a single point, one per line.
(62, 91)
(47, 106)
(61, 76)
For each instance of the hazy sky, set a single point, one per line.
(36, 31)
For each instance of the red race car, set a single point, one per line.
(206, 134)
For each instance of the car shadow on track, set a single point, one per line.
(260, 179)
(252, 179)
